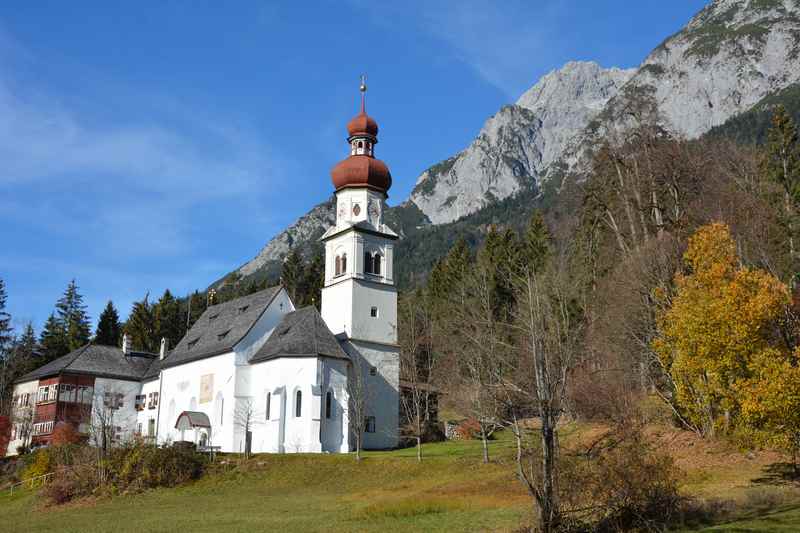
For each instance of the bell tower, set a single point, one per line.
(359, 298)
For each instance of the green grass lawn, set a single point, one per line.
(451, 490)
(390, 491)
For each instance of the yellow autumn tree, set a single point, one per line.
(719, 321)
(770, 400)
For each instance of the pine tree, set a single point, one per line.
(499, 253)
(292, 276)
(6, 339)
(313, 280)
(535, 246)
(781, 164)
(26, 352)
(141, 327)
(53, 340)
(6, 333)
(168, 319)
(109, 329)
(72, 315)
(196, 307)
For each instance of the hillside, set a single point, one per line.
(390, 491)
(731, 57)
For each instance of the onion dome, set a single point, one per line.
(362, 124)
(361, 169)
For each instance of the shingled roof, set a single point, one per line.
(301, 333)
(96, 360)
(220, 328)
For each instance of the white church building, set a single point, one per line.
(255, 372)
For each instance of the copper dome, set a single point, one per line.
(362, 171)
(362, 124)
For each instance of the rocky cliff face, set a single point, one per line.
(727, 58)
(305, 230)
(517, 143)
(730, 56)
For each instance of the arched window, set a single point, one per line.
(298, 404)
(368, 263)
(360, 147)
(376, 264)
(328, 404)
(269, 401)
(344, 264)
(338, 271)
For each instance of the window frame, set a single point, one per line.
(298, 403)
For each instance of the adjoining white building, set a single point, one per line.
(255, 373)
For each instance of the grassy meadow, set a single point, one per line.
(390, 491)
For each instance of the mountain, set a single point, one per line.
(517, 143)
(731, 57)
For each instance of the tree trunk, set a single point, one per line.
(419, 448)
(548, 501)
(485, 442)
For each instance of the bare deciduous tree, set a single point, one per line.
(359, 399)
(245, 416)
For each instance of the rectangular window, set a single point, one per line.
(269, 401)
(373, 312)
(298, 406)
(328, 404)
(369, 424)
(42, 395)
(373, 371)
(152, 400)
(140, 401)
(151, 427)
(138, 428)
(53, 393)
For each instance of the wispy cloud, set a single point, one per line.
(504, 42)
(108, 190)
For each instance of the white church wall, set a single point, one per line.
(22, 413)
(207, 386)
(284, 431)
(334, 431)
(337, 306)
(380, 328)
(383, 389)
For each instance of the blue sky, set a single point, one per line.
(155, 145)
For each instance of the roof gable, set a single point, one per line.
(220, 328)
(301, 333)
(95, 360)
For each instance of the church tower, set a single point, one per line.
(359, 299)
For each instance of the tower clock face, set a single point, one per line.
(374, 211)
(356, 210)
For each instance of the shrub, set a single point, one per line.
(5, 434)
(468, 429)
(64, 434)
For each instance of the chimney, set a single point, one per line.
(126, 344)
(163, 351)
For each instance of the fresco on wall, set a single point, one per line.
(206, 388)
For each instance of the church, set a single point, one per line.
(255, 373)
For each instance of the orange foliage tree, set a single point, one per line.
(65, 434)
(718, 325)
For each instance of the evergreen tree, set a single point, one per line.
(500, 252)
(6, 333)
(72, 315)
(26, 352)
(781, 164)
(292, 276)
(141, 327)
(313, 280)
(535, 246)
(6, 339)
(198, 303)
(109, 329)
(53, 340)
(169, 322)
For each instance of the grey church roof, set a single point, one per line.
(220, 328)
(301, 333)
(96, 360)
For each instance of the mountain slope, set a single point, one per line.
(732, 55)
(517, 143)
